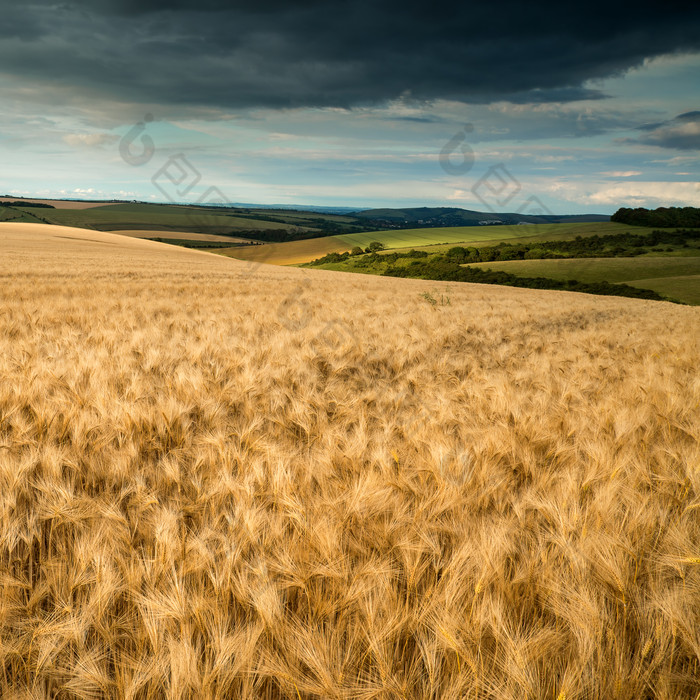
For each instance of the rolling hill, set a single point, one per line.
(255, 222)
(677, 277)
(223, 479)
(456, 216)
(429, 239)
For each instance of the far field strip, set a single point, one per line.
(59, 203)
(181, 236)
(152, 217)
(142, 217)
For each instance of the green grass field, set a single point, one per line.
(676, 276)
(427, 238)
(168, 217)
(16, 215)
(433, 240)
(156, 217)
(683, 288)
(299, 217)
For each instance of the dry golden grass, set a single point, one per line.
(208, 490)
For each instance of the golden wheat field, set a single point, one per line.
(226, 481)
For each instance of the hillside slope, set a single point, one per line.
(222, 480)
(676, 276)
(303, 251)
(456, 216)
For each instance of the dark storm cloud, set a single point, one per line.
(245, 54)
(681, 133)
(427, 119)
(565, 94)
(689, 116)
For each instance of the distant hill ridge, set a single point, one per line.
(389, 217)
(455, 216)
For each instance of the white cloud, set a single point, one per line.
(622, 173)
(553, 159)
(638, 194)
(90, 140)
(677, 160)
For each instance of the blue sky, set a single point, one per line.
(626, 147)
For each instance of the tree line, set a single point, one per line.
(443, 270)
(34, 205)
(450, 266)
(608, 246)
(373, 248)
(666, 217)
(614, 245)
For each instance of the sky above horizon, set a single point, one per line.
(499, 107)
